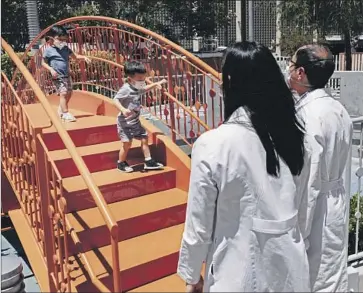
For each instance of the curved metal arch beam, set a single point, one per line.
(198, 62)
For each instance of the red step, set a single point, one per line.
(116, 186)
(98, 157)
(135, 217)
(85, 131)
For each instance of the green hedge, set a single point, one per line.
(353, 223)
(7, 65)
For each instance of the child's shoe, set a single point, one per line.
(124, 167)
(152, 165)
(68, 117)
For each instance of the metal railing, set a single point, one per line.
(120, 41)
(356, 158)
(183, 118)
(37, 182)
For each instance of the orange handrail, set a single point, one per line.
(193, 58)
(185, 108)
(106, 61)
(78, 161)
(171, 97)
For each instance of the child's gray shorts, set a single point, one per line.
(128, 132)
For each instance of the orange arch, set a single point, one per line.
(195, 60)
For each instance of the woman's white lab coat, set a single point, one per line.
(240, 220)
(323, 224)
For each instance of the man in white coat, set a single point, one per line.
(329, 130)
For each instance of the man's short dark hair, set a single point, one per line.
(57, 31)
(134, 67)
(318, 63)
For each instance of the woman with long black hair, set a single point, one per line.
(242, 214)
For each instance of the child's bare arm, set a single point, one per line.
(155, 84)
(50, 69)
(122, 109)
(80, 57)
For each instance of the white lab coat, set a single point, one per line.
(240, 220)
(323, 224)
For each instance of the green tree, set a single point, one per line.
(175, 19)
(353, 224)
(13, 23)
(324, 17)
(51, 11)
(201, 17)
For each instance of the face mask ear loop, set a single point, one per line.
(296, 81)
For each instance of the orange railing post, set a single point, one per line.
(83, 170)
(44, 203)
(170, 91)
(116, 41)
(82, 65)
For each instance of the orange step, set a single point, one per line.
(143, 260)
(85, 131)
(135, 217)
(97, 157)
(116, 186)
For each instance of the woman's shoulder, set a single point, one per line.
(223, 139)
(225, 132)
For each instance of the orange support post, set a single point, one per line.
(82, 64)
(170, 91)
(116, 41)
(43, 193)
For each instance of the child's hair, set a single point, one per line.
(134, 67)
(56, 31)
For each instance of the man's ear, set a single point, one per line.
(301, 71)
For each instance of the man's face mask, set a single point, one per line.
(287, 76)
(290, 69)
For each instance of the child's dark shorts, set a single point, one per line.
(63, 85)
(129, 132)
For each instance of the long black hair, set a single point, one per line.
(253, 80)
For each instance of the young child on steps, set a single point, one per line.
(128, 101)
(56, 61)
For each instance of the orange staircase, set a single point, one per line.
(149, 207)
(85, 226)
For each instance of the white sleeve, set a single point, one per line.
(200, 217)
(310, 184)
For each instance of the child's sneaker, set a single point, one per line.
(124, 167)
(68, 117)
(152, 165)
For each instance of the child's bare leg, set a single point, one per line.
(122, 164)
(63, 103)
(124, 150)
(145, 148)
(68, 97)
(150, 164)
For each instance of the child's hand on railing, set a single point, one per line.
(160, 83)
(53, 73)
(127, 112)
